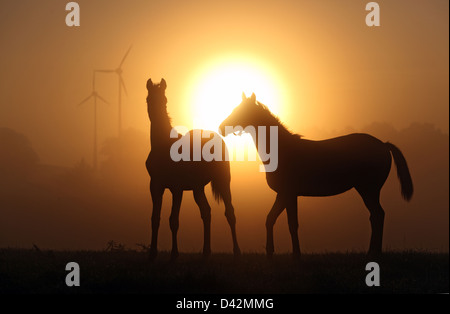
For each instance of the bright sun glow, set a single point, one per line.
(219, 87)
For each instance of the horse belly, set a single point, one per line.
(322, 188)
(317, 186)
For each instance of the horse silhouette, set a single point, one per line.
(322, 168)
(183, 175)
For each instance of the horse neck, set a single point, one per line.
(268, 121)
(160, 127)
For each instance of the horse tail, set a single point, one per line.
(402, 172)
(220, 183)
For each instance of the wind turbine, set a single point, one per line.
(94, 95)
(119, 71)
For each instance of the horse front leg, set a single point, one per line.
(156, 192)
(272, 217)
(177, 195)
(205, 211)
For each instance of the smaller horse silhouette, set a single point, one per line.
(183, 175)
(322, 168)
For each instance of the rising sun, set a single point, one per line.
(219, 86)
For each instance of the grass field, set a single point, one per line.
(32, 271)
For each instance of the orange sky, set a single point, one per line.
(331, 70)
(334, 70)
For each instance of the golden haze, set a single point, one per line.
(317, 64)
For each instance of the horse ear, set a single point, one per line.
(163, 84)
(243, 96)
(253, 98)
(149, 83)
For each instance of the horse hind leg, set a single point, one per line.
(231, 218)
(292, 214)
(372, 202)
(177, 196)
(205, 211)
(157, 194)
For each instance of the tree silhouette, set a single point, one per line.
(18, 159)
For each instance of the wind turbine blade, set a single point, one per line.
(124, 57)
(105, 71)
(103, 99)
(122, 83)
(84, 100)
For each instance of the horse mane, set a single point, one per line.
(163, 114)
(277, 119)
(168, 116)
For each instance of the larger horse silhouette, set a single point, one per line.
(322, 168)
(182, 175)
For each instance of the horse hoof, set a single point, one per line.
(374, 254)
(237, 252)
(152, 255)
(206, 255)
(173, 256)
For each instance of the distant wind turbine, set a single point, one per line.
(94, 95)
(119, 71)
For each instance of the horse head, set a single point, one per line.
(156, 98)
(243, 115)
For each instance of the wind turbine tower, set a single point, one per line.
(94, 95)
(121, 83)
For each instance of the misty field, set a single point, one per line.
(35, 271)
